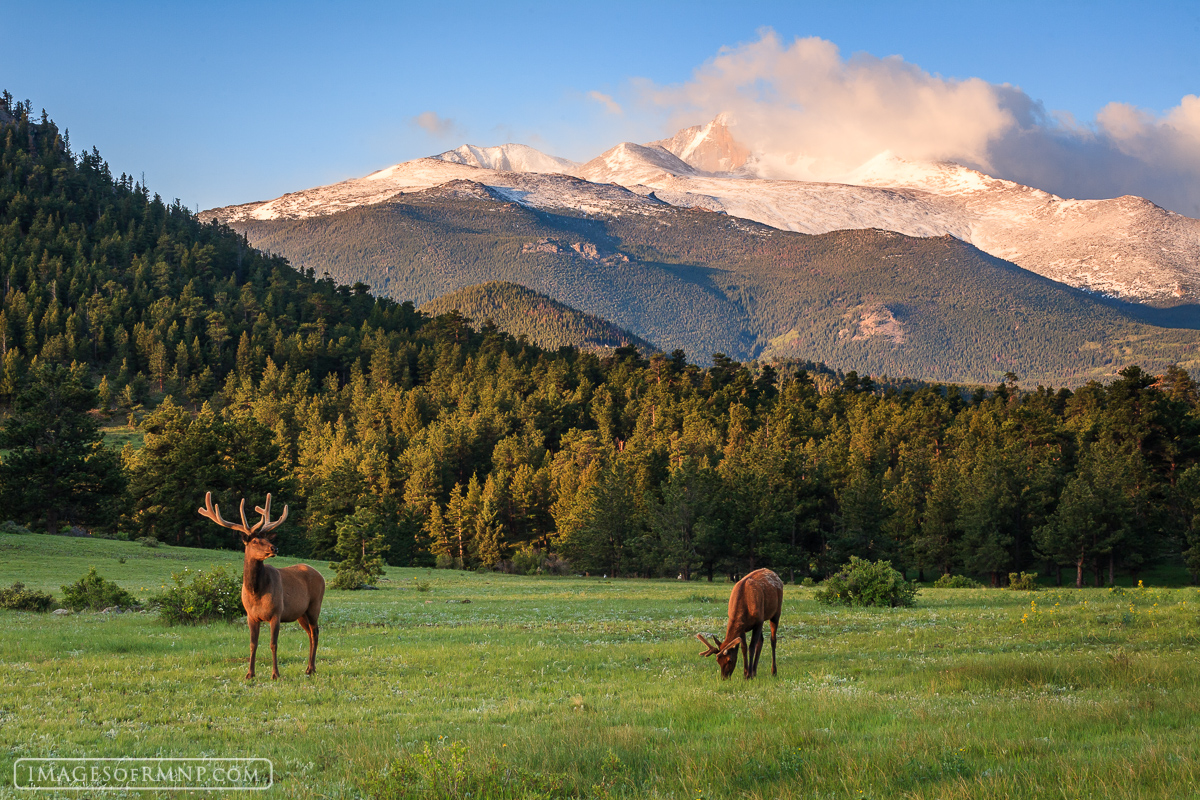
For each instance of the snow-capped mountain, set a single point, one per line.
(632, 164)
(508, 158)
(1126, 247)
(710, 147)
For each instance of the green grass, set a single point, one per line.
(593, 688)
(117, 436)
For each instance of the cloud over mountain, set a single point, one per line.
(436, 125)
(813, 114)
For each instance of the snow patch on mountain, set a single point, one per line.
(539, 190)
(508, 158)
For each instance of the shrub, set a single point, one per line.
(556, 565)
(531, 561)
(528, 560)
(808, 581)
(147, 541)
(949, 581)
(351, 579)
(92, 591)
(1022, 582)
(18, 598)
(444, 561)
(863, 583)
(212, 595)
(12, 527)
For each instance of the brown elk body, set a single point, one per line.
(755, 599)
(270, 595)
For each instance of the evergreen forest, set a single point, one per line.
(542, 320)
(460, 445)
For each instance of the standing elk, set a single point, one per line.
(755, 599)
(291, 594)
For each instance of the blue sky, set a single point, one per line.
(220, 103)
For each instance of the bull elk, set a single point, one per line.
(291, 594)
(755, 599)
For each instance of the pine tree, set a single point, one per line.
(57, 469)
(360, 543)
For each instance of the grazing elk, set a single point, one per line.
(755, 599)
(291, 594)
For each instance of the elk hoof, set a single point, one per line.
(310, 671)
(274, 676)
(249, 676)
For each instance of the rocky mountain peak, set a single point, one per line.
(708, 148)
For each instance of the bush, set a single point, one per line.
(208, 596)
(18, 598)
(948, 581)
(92, 591)
(444, 561)
(147, 541)
(531, 561)
(12, 527)
(556, 565)
(352, 579)
(862, 583)
(808, 582)
(528, 560)
(1022, 582)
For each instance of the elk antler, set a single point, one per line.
(213, 512)
(265, 523)
(710, 649)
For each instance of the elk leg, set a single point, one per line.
(253, 623)
(774, 626)
(745, 658)
(756, 644)
(274, 623)
(311, 630)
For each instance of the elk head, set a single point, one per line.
(726, 656)
(258, 540)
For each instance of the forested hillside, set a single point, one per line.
(870, 300)
(465, 446)
(542, 320)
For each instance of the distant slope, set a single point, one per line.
(542, 320)
(871, 300)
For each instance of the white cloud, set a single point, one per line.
(814, 114)
(610, 105)
(437, 126)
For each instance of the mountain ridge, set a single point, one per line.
(1123, 247)
(932, 308)
(520, 311)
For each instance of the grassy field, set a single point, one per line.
(549, 687)
(117, 436)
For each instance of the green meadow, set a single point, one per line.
(454, 684)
